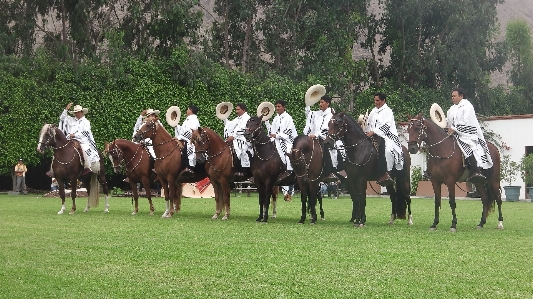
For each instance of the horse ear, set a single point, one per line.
(420, 115)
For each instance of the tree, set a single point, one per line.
(518, 39)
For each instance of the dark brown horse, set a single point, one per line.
(67, 166)
(306, 159)
(212, 150)
(168, 165)
(360, 166)
(445, 166)
(134, 158)
(266, 165)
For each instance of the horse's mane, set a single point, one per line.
(350, 121)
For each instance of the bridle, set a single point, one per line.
(51, 135)
(254, 140)
(301, 160)
(152, 126)
(341, 133)
(119, 154)
(422, 135)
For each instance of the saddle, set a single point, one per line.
(76, 144)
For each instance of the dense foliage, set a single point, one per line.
(117, 58)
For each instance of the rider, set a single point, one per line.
(316, 126)
(282, 132)
(184, 132)
(148, 114)
(463, 124)
(234, 134)
(381, 122)
(79, 128)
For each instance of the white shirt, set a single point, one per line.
(317, 122)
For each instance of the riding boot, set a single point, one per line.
(475, 171)
(385, 178)
(50, 173)
(87, 164)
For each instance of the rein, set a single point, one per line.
(255, 142)
(422, 136)
(340, 134)
(153, 127)
(301, 160)
(52, 136)
(116, 151)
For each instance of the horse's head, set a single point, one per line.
(337, 128)
(201, 144)
(47, 137)
(115, 156)
(253, 129)
(147, 130)
(417, 131)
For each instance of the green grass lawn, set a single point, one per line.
(117, 255)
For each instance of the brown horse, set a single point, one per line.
(67, 165)
(212, 150)
(445, 166)
(168, 165)
(360, 166)
(135, 159)
(266, 165)
(306, 159)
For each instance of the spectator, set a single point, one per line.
(55, 185)
(288, 191)
(20, 173)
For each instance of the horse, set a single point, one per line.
(306, 158)
(360, 166)
(167, 164)
(67, 165)
(217, 155)
(266, 164)
(135, 159)
(445, 166)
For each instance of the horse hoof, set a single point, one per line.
(60, 212)
(151, 213)
(453, 230)
(214, 217)
(432, 229)
(71, 213)
(273, 216)
(312, 223)
(479, 227)
(360, 225)
(225, 217)
(106, 210)
(133, 213)
(323, 218)
(86, 210)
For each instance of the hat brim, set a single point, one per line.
(223, 110)
(84, 110)
(173, 119)
(437, 115)
(266, 110)
(314, 93)
(362, 120)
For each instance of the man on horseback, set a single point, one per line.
(381, 123)
(316, 126)
(234, 134)
(463, 124)
(79, 128)
(184, 133)
(282, 132)
(146, 115)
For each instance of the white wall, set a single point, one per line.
(515, 131)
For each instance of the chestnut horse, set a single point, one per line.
(217, 155)
(167, 164)
(360, 166)
(135, 159)
(306, 158)
(67, 166)
(445, 166)
(266, 164)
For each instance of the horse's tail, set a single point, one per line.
(94, 193)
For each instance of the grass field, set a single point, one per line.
(117, 255)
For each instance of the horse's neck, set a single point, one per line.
(216, 143)
(127, 148)
(60, 139)
(435, 134)
(353, 135)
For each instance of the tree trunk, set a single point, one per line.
(226, 34)
(246, 45)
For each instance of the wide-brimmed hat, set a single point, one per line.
(314, 93)
(266, 110)
(437, 115)
(363, 119)
(78, 108)
(224, 110)
(151, 111)
(173, 116)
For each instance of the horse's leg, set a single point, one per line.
(393, 200)
(177, 196)
(103, 183)
(312, 202)
(453, 205)
(487, 202)
(62, 196)
(315, 188)
(360, 203)
(495, 192)
(135, 192)
(218, 200)
(303, 197)
(273, 202)
(73, 186)
(166, 188)
(261, 192)
(146, 185)
(267, 193)
(225, 198)
(437, 191)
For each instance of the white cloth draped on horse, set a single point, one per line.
(462, 119)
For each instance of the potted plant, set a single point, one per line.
(509, 171)
(526, 168)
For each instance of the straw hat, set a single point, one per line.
(79, 108)
(266, 109)
(173, 116)
(314, 93)
(437, 115)
(224, 110)
(151, 111)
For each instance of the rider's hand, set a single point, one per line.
(68, 106)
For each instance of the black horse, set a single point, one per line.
(266, 164)
(360, 166)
